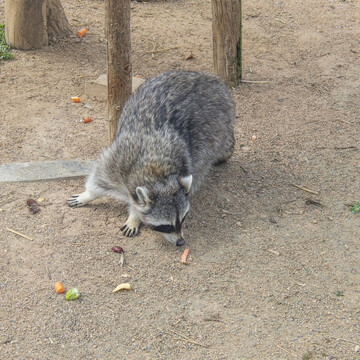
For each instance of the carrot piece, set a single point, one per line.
(81, 32)
(59, 287)
(184, 256)
(86, 119)
(75, 99)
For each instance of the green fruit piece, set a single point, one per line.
(72, 294)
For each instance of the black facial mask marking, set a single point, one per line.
(168, 229)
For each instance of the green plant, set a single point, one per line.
(355, 208)
(339, 293)
(5, 53)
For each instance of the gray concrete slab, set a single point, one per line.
(45, 170)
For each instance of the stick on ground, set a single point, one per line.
(20, 234)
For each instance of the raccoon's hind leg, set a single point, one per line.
(226, 151)
(131, 227)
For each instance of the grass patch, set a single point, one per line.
(355, 208)
(5, 53)
(339, 293)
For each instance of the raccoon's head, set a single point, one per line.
(164, 206)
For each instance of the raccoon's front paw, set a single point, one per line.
(131, 227)
(129, 231)
(74, 201)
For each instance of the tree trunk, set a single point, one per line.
(30, 24)
(117, 17)
(227, 23)
(57, 24)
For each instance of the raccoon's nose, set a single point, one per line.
(180, 242)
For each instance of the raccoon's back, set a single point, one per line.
(194, 106)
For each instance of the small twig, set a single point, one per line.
(292, 213)
(254, 81)
(187, 339)
(20, 234)
(244, 170)
(302, 284)
(288, 352)
(48, 272)
(283, 22)
(4, 115)
(215, 319)
(161, 50)
(229, 212)
(87, 76)
(306, 189)
(344, 121)
(122, 261)
(345, 147)
(273, 252)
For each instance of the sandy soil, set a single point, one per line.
(273, 271)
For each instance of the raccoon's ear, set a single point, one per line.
(185, 182)
(143, 195)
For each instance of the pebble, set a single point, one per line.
(357, 348)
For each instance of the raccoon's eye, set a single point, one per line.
(168, 229)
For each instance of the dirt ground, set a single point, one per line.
(273, 270)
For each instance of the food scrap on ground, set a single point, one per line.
(72, 294)
(33, 206)
(189, 57)
(81, 32)
(124, 286)
(120, 250)
(59, 288)
(86, 119)
(184, 256)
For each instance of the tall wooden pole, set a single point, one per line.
(226, 24)
(117, 17)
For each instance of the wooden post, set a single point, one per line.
(226, 24)
(25, 24)
(30, 24)
(117, 17)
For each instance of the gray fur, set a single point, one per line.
(172, 130)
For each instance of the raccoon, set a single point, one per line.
(172, 130)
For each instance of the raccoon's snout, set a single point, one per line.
(176, 239)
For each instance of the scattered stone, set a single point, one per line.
(98, 88)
